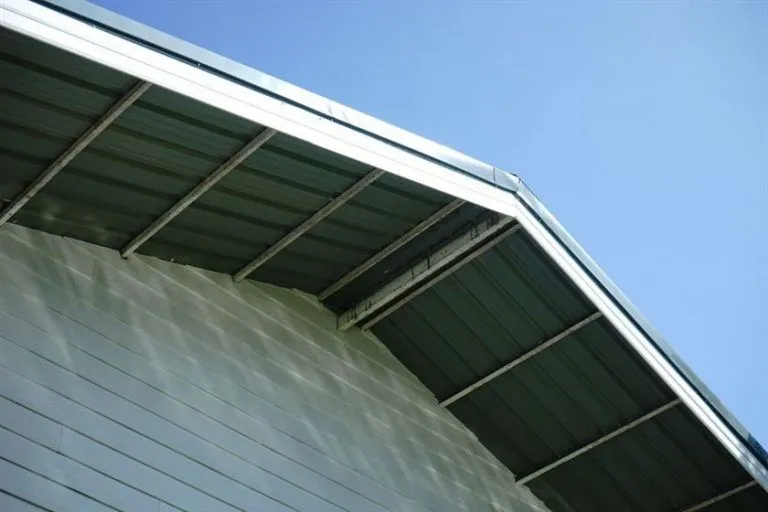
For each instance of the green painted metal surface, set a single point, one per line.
(490, 312)
(586, 386)
(162, 147)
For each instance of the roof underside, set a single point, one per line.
(589, 386)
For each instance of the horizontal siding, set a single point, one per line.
(10, 503)
(143, 385)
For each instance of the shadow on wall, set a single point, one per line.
(232, 391)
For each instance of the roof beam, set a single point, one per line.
(391, 248)
(73, 150)
(512, 364)
(720, 497)
(435, 277)
(424, 274)
(198, 191)
(309, 223)
(597, 442)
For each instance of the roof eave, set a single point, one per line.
(149, 55)
(274, 87)
(632, 313)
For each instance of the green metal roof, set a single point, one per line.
(160, 148)
(576, 411)
(591, 383)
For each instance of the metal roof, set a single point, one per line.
(152, 145)
(586, 385)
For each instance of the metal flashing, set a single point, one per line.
(756, 461)
(62, 30)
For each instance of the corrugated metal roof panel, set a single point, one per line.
(163, 146)
(494, 310)
(665, 464)
(68, 92)
(586, 386)
(391, 266)
(564, 399)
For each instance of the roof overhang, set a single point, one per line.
(461, 221)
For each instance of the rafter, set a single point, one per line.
(73, 150)
(308, 224)
(720, 497)
(512, 364)
(597, 442)
(391, 248)
(424, 274)
(198, 191)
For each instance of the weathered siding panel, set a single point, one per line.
(144, 385)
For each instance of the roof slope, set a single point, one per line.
(453, 263)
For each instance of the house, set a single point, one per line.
(222, 292)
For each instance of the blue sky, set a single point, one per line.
(642, 125)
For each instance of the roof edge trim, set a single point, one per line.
(646, 340)
(71, 33)
(267, 84)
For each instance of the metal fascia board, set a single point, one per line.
(64, 31)
(302, 98)
(730, 435)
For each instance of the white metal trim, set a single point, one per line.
(200, 189)
(604, 439)
(391, 248)
(644, 346)
(516, 362)
(720, 497)
(73, 150)
(62, 31)
(422, 272)
(309, 223)
(111, 50)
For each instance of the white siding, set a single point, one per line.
(143, 385)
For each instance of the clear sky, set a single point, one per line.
(642, 125)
